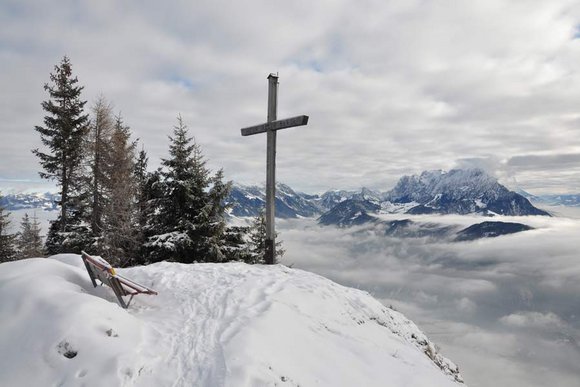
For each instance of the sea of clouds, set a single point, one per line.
(505, 309)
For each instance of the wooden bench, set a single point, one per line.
(101, 270)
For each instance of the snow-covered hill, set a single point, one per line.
(210, 325)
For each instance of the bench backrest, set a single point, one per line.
(100, 269)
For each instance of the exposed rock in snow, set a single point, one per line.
(211, 325)
(250, 200)
(459, 192)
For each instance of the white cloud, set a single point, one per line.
(532, 320)
(391, 88)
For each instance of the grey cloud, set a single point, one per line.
(391, 88)
(545, 162)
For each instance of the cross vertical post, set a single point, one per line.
(271, 172)
(270, 128)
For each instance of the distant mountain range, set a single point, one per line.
(432, 192)
(43, 201)
(570, 200)
(250, 200)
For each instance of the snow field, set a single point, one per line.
(211, 325)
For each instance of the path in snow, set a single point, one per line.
(211, 325)
(205, 314)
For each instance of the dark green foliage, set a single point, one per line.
(76, 239)
(188, 223)
(63, 133)
(257, 242)
(236, 246)
(141, 177)
(29, 241)
(7, 247)
(143, 205)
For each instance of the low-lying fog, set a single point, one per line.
(505, 309)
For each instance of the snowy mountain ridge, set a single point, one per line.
(454, 192)
(250, 200)
(211, 325)
(570, 200)
(459, 192)
(45, 201)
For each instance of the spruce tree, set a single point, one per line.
(7, 247)
(257, 241)
(213, 218)
(65, 127)
(236, 246)
(141, 181)
(143, 205)
(29, 241)
(188, 225)
(182, 182)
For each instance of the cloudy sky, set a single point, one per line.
(391, 87)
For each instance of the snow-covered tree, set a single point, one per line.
(152, 198)
(29, 240)
(143, 179)
(236, 246)
(141, 182)
(7, 248)
(257, 241)
(63, 133)
(188, 222)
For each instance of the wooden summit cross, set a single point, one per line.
(270, 128)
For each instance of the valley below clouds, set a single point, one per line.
(505, 309)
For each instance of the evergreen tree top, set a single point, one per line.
(186, 161)
(64, 83)
(65, 124)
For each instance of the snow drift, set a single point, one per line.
(211, 325)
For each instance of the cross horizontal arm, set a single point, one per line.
(275, 125)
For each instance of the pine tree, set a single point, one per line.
(257, 241)
(7, 248)
(153, 195)
(182, 181)
(214, 212)
(141, 182)
(189, 222)
(63, 133)
(236, 246)
(29, 241)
